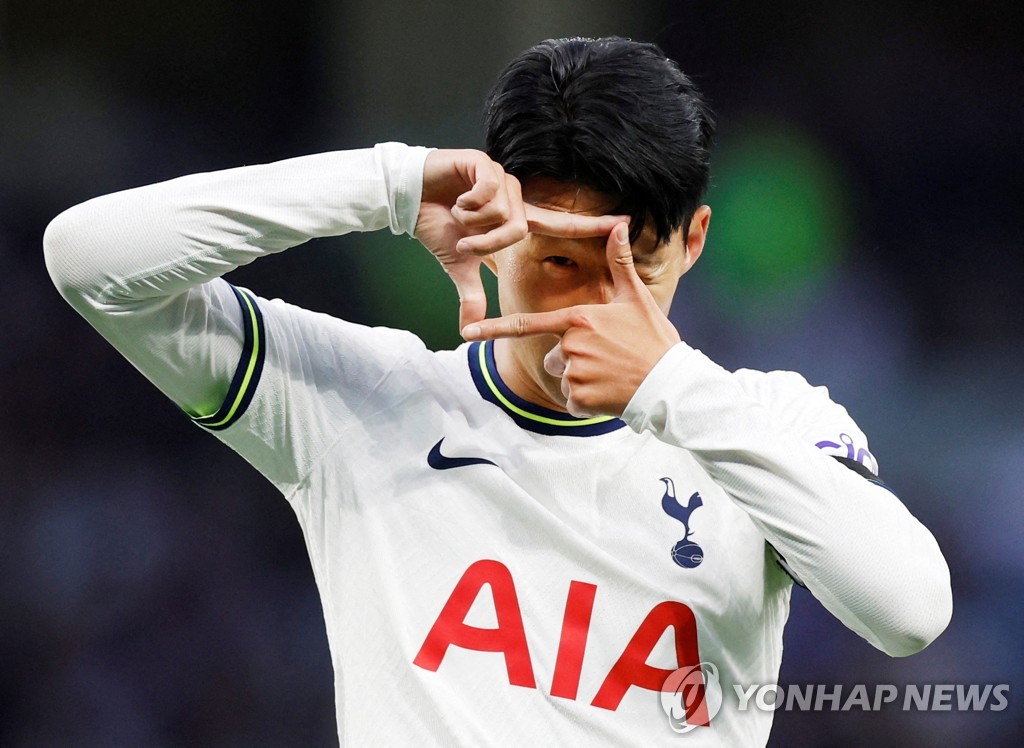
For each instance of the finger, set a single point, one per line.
(471, 209)
(575, 409)
(555, 362)
(570, 225)
(521, 325)
(503, 236)
(491, 215)
(472, 296)
(506, 213)
(620, 262)
(571, 403)
(486, 186)
(517, 208)
(564, 385)
(494, 213)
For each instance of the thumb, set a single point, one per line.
(472, 297)
(620, 261)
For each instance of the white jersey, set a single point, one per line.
(491, 572)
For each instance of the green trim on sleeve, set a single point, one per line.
(250, 367)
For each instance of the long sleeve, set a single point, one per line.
(851, 541)
(143, 267)
(126, 254)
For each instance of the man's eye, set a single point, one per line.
(564, 262)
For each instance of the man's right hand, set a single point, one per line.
(471, 208)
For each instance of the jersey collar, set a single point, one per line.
(527, 415)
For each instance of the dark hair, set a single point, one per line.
(610, 114)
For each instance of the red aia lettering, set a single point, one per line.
(508, 638)
(632, 669)
(573, 643)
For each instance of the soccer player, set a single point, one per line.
(519, 541)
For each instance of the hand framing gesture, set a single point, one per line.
(605, 350)
(470, 208)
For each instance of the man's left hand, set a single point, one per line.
(605, 350)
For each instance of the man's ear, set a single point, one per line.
(696, 237)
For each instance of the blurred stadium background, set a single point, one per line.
(154, 590)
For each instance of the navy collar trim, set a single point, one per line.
(527, 415)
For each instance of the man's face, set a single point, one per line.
(542, 273)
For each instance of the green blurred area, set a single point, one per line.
(410, 291)
(780, 216)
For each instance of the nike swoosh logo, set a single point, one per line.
(438, 461)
